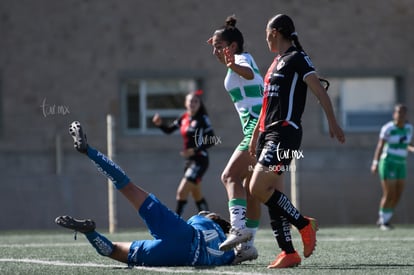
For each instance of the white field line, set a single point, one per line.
(57, 263)
(44, 245)
(153, 269)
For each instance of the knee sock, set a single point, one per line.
(282, 206)
(102, 245)
(108, 168)
(202, 205)
(237, 209)
(281, 230)
(385, 215)
(180, 207)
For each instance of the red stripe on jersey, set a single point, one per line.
(266, 92)
(185, 123)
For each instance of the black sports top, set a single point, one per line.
(196, 131)
(285, 90)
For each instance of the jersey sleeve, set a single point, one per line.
(242, 60)
(304, 65)
(384, 133)
(168, 129)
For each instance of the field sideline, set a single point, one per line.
(340, 250)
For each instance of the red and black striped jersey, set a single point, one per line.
(196, 131)
(285, 90)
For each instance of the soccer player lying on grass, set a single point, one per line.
(176, 242)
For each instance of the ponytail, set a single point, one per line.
(294, 37)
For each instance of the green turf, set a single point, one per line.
(340, 250)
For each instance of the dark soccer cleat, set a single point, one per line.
(79, 137)
(83, 226)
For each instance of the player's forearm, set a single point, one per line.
(377, 153)
(243, 71)
(326, 104)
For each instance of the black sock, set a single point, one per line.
(286, 209)
(180, 207)
(281, 231)
(202, 205)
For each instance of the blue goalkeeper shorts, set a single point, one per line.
(173, 238)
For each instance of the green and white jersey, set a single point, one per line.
(396, 141)
(245, 94)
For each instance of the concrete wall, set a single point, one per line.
(70, 54)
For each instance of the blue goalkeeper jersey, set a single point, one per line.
(209, 236)
(177, 242)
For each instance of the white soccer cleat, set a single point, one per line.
(386, 227)
(235, 237)
(244, 252)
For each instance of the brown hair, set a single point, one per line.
(230, 33)
(284, 24)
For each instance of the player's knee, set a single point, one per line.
(228, 177)
(261, 192)
(224, 177)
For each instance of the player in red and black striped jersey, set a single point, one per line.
(280, 135)
(198, 136)
(285, 90)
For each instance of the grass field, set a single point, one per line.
(340, 250)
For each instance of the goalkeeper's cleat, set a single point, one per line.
(284, 260)
(308, 234)
(235, 237)
(79, 137)
(83, 226)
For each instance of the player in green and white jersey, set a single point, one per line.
(390, 162)
(244, 84)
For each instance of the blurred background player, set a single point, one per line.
(244, 84)
(198, 134)
(176, 242)
(390, 162)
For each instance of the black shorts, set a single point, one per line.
(195, 167)
(277, 146)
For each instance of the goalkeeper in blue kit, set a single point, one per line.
(176, 242)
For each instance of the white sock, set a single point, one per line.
(238, 216)
(385, 216)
